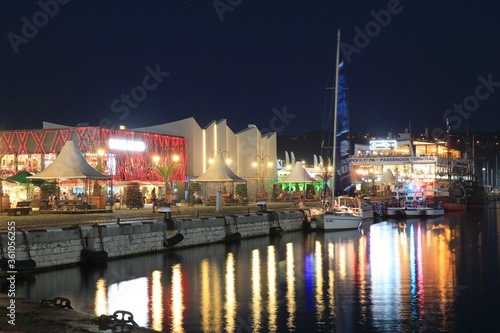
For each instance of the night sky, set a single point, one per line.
(268, 63)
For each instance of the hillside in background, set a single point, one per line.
(302, 145)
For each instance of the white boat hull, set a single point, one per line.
(339, 221)
(395, 211)
(435, 212)
(414, 212)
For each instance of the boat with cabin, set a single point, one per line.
(356, 206)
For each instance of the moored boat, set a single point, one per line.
(338, 220)
(354, 206)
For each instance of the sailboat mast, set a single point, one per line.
(448, 147)
(335, 106)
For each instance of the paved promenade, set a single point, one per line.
(37, 220)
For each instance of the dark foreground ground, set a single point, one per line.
(30, 317)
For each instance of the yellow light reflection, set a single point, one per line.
(256, 298)
(101, 301)
(342, 262)
(205, 295)
(290, 290)
(320, 306)
(156, 301)
(211, 299)
(230, 294)
(177, 299)
(331, 279)
(271, 289)
(216, 301)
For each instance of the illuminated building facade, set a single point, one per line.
(132, 154)
(249, 153)
(421, 163)
(128, 156)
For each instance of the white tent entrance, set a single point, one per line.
(71, 165)
(216, 180)
(298, 175)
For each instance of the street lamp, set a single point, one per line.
(484, 177)
(227, 160)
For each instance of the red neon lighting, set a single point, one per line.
(130, 166)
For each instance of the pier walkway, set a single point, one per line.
(37, 220)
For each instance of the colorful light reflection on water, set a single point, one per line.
(393, 276)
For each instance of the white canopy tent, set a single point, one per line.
(388, 177)
(69, 164)
(298, 175)
(218, 172)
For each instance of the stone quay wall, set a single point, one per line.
(52, 247)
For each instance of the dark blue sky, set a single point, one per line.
(252, 62)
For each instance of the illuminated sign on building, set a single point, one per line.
(126, 145)
(383, 144)
(393, 160)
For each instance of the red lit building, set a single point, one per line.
(129, 156)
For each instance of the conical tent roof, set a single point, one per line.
(218, 171)
(387, 177)
(298, 175)
(69, 164)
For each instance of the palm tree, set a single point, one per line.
(166, 171)
(325, 178)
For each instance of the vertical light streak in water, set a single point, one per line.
(205, 295)
(446, 277)
(101, 301)
(363, 294)
(342, 261)
(420, 268)
(320, 305)
(177, 299)
(211, 299)
(385, 275)
(256, 297)
(272, 308)
(156, 301)
(230, 294)
(331, 280)
(413, 278)
(217, 298)
(290, 288)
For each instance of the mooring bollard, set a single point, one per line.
(167, 211)
(263, 205)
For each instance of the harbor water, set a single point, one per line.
(416, 275)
